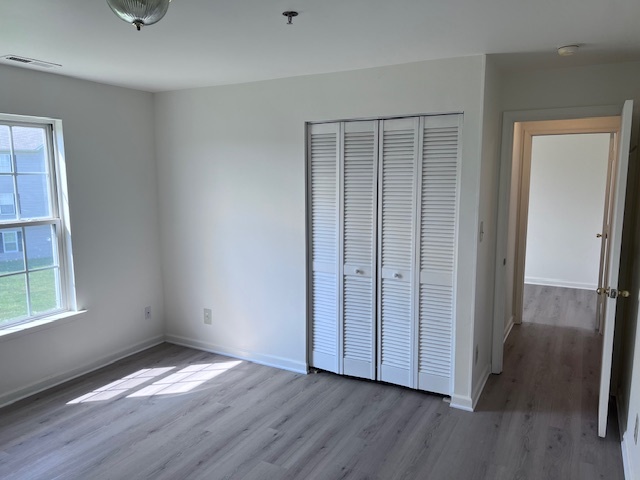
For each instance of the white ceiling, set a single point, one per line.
(214, 42)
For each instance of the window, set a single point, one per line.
(7, 205)
(36, 272)
(10, 242)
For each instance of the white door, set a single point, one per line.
(360, 160)
(438, 191)
(397, 219)
(323, 144)
(618, 193)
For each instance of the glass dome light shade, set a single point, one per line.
(139, 12)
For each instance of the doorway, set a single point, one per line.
(555, 239)
(563, 245)
(519, 130)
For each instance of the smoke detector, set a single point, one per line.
(568, 50)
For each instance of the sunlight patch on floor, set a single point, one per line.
(185, 380)
(182, 381)
(114, 389)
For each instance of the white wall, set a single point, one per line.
(488, 204)
(566, 207)
(109, 145)
(629, 390)
(232, 181)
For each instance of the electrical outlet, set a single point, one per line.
(207, 316)
(635, 431)
(476, 355)
(147, 313)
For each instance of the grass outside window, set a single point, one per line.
(13, 291)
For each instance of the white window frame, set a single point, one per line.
(59, 217)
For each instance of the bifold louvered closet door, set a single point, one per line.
(383, 221)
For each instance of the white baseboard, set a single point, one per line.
(468, 403)
(462, 402)
(477, 391)
(626, 460)
(554, 282)
(508, 328)
(627, 466)
(57, 379)
(262, 359)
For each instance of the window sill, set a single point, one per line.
(15, 331)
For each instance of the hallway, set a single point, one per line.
(548, 394)
(559, 306)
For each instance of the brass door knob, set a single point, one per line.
(623, 293)
(599, 290)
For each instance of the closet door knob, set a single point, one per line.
(359, 272)
(397, 275)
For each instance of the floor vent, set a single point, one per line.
(28, 61)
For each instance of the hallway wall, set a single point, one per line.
(566, 206)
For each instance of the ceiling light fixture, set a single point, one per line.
(567, 50)
(139, 12)
(290, 14)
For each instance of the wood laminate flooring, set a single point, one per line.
(537, 420)
(563, 307)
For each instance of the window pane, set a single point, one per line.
(11, 256)
(13, 298)
(7, 198)
(5, 163)
(34, 196)
(5, 150)
(41, 242)
(29, 146)
(44, 290)
(32, 162)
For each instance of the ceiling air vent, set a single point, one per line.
(28, 61)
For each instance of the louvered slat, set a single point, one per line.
(359, 178)
(324, 208)
(358, 319)
(358, 248)
(398, 152)
(396, 324)
(323, 157)
(324, 313)
(438, 225)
